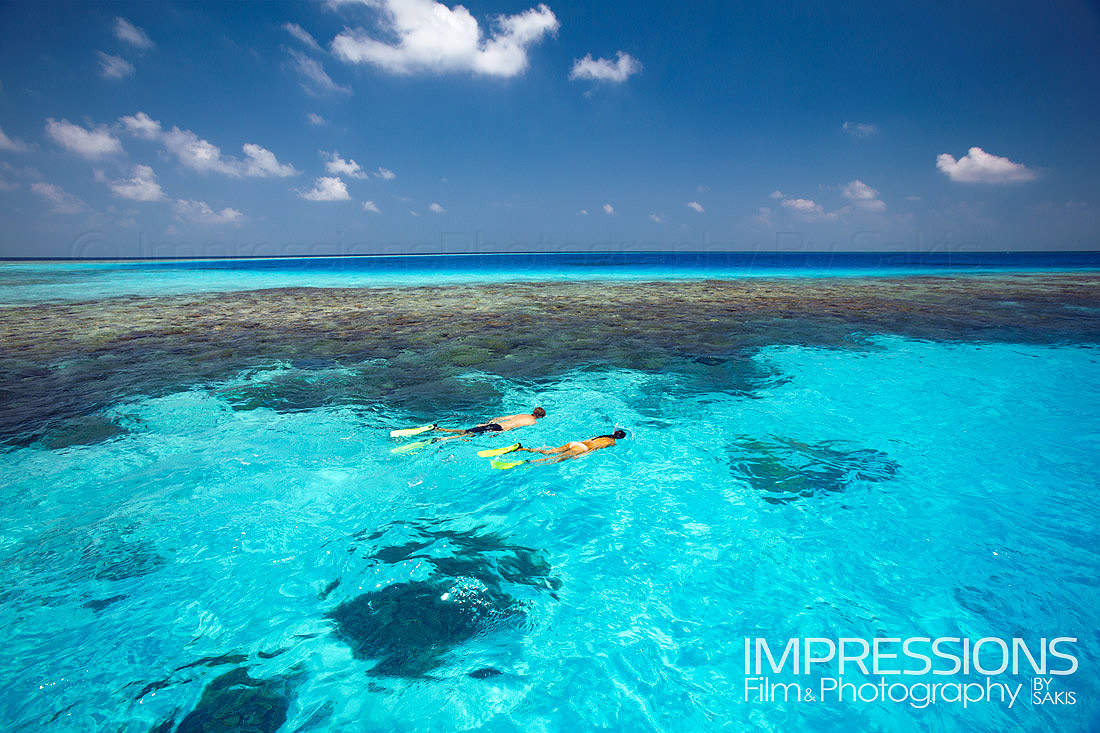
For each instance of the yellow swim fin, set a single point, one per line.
(499, 451)
(411, 431)
(504, 465)
(410, 447)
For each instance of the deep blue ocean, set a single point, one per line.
(30, 281)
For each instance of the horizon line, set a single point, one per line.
(226, 258)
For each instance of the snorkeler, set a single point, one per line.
(574, 449)
(497, 424)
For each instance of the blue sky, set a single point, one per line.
(142, 129)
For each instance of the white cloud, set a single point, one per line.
(197, 154)
(616, 71)
(302, 35)
(130, 33)
(261, 163)
(863, 196)
(608, 209)
(199, 212)
(804, 206)
(437, 208)
(414, 213)
(8, 185)
(432, 38)
(85, 143)
(859, 129)
(655, 218)
(61, 201)
(142, 187)
(978, 166)
(582, 212)
(10, 145)
(141, 125)
(763, 217)
(114, 67)
(337, 166)
(385, 174)
(314, 79)
(205, 157)
(810, 210)
(371, 207)
(859, 195)
(695, 206)
(326, 189)
(315, 119)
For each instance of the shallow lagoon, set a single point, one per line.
(203, 525)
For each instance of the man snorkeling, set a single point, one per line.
(574, 449)
(497, 424)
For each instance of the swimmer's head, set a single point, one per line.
(538, 412)
(618, 434)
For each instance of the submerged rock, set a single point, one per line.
(469, 553)
(408, 627)
(478, 584)
(99, 605)
(117, 557)
(292, 390)
(484, 673)
(133, 565)
(236, 702)
(789, 470)
(215, 661)
(82, 430)
(422, 387)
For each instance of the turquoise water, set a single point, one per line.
(210, 564)
(31, 282)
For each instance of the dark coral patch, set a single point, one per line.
(119, 557)
(408, 627)
(411, 347)
(788, 470)
(81, 430)
(100, 604)
(479, 584)
(466, 553)
(484, 673)
(237, 702)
